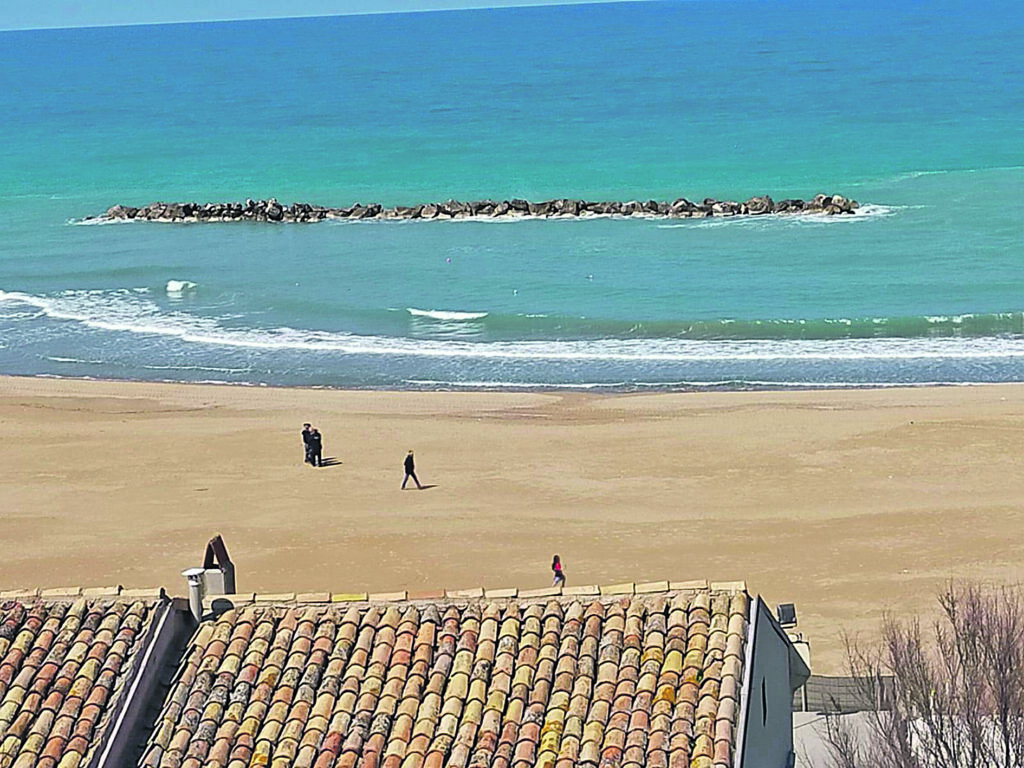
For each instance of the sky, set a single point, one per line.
(19, 14)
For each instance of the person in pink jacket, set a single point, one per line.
(556, 566)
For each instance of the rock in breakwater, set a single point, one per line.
(273, 211)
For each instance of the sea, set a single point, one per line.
(916, 110)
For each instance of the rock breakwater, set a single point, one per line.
(273, 211)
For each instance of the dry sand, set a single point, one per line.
(847, 503)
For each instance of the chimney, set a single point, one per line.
(195, 591)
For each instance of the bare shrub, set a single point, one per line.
(957, 697)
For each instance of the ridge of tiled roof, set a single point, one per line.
(590, 590)
(63, 663)
(478, 593)
(118, 593)
(626, 677)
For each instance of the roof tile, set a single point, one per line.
(313, 597)
(544, 592)
(470, 594)
(387, 597)
(618, 589)
(59, 592)
(732, 587)
(590, 590)
(698, 585)
(141, 594)
(283, 597)
(500, 594)
(652, 586)
(428, 594)
(101, 591)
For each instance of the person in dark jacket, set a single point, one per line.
(316, 448)
(306, 431)
(410, 471)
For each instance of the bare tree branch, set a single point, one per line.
(957, 698)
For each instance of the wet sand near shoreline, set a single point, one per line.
(848, 503)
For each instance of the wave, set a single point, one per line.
(865, 212)
(74, 360)
(96, 222)
(127, 312)
(211, 368)
(179, 288)
(441, 314)
(541, 326)
(913, 175)
(728, 384)
(910, 175)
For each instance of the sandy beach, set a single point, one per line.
(848, 503)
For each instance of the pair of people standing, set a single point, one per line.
(313, 442)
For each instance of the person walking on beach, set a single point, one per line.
(556, 566)
(410, 471)
(306, 431)
(316, 448)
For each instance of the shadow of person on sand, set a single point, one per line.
(330, 461)
(422, 487)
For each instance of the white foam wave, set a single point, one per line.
(218, 382)
(179, 287)
(21, 314)
(959, 319)
(910, 175)
(512, 384)
(727, 384)
(125, 311)
(865, 212)
(97, 222)
(77, 360)
(446, 315)
(211, 368)
(872, 209)
(917, 174)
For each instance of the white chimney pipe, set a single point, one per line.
(195, 591)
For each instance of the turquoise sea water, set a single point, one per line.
(916, 111)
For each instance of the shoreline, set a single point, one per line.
(847, 503)
(596, 389)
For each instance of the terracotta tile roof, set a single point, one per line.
(62, 668)
(649, 679)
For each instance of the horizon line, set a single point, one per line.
(538, 4)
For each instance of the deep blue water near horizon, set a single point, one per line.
(916, 111)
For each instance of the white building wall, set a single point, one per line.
(774, 671)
